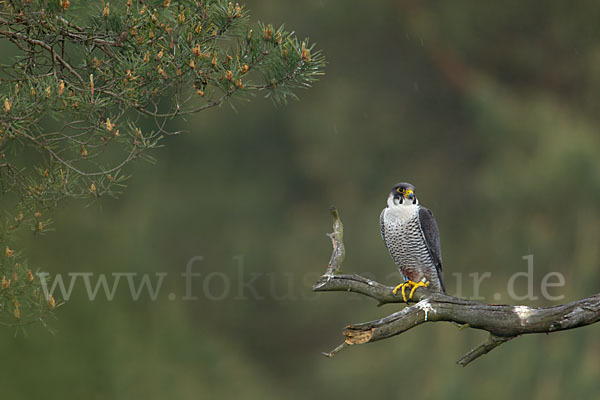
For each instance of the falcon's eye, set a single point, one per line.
(400, 190)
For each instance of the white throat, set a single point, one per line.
(400, 212)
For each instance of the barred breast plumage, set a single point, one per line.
(402, 233)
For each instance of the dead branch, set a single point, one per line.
(503, 322)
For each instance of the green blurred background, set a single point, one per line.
(489, 109)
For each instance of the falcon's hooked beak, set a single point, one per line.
(407, 196)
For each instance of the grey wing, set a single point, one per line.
(432, 239)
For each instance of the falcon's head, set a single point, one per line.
(402, 194)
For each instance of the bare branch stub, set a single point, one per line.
(337, 241)
(503, 322)
(490, 344)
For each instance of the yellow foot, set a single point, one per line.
(412, 284)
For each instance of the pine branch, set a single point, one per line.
(99, 76)
(79, 86)
(503, 322)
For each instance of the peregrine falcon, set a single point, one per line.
(411, 235)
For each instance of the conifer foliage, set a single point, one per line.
(82, 83)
